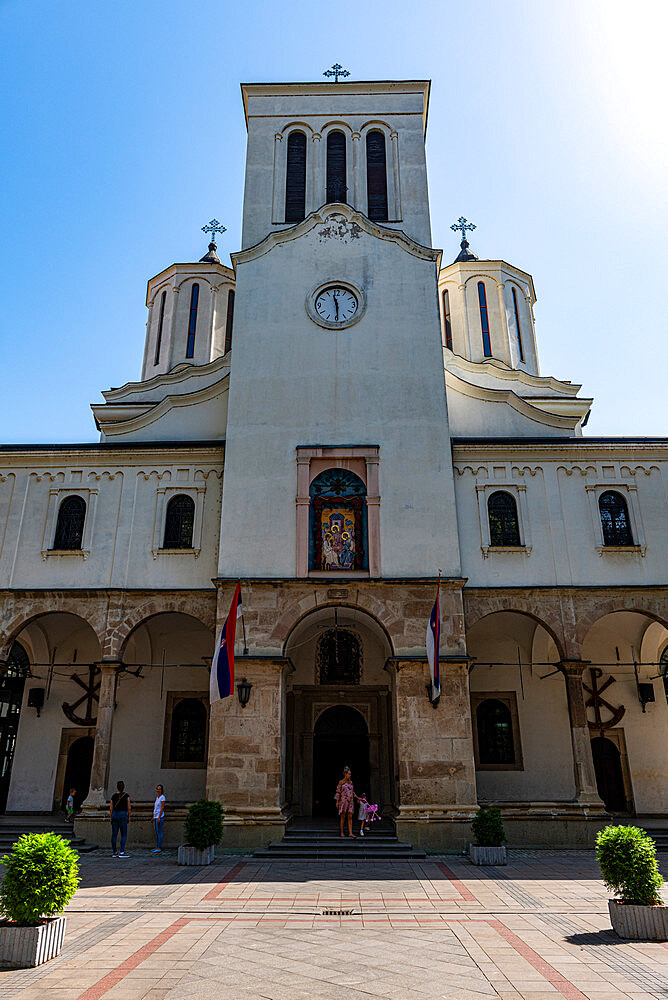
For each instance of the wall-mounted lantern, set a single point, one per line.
(244, 690)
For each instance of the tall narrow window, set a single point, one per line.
(70, 524)
(446, 319)
(518, 329)
(161, 320)
(495, 736)
(295, 178)
(376, 175)
(179, 522)
(336, 167)
(229, 321)
(187, 736)
(484, 320)
(192, 321)
(504, 526)
(614, 519)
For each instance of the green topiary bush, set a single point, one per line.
(204, 824)
(627, 859)
(488, 829)
(41, 877)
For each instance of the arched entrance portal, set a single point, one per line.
(338, 710)
(340, 737)
(77, 772)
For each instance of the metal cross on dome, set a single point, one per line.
(462, 225)
(336, 71)
(214, 227)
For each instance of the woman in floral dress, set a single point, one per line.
(345, 801)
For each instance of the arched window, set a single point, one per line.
(614, 519)
(504, 526)
(229, 321)
(192, 321)
(336, 167)
(161, 320)
(446, 319)
(339, 657)
(484, 320)
(179, 522)
(338, 536)
(295, 178)
(518, 329)
(376, 175)
(70, 524)
(494, 727)
(187, 734)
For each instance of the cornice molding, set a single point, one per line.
(456, 384)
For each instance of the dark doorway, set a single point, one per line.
(341, 737)
(77, 772)
(12, 683)
(609, 776)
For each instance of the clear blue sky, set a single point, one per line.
(124, 133)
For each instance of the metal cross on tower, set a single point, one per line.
(462, 225)
(336, 71)
(214, 227)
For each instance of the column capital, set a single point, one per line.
(573, 668)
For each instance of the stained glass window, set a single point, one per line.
(192, 321)
(484, 320)
(518, 330)
(446, 319)
(70, 524)
(614, 519)
(229, 322)
(161, 320)
(504, 527)
(179, 522)
(494, 723)
(336, 167)
(187, 738)
(376, 175)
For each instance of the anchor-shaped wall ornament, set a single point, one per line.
(595, 701)
(90, 695)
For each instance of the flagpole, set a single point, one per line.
(243, 623)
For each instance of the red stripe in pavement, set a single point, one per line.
(463, 890)
(120, 972)
(229, 877)
(553, 977)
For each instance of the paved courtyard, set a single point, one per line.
(145, 929)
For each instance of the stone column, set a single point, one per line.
(99, 775)
(246, 751)
(583, 763)
(437, 790)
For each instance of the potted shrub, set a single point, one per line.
(627, 859)
(41, 877)
(489, 849)
(203, 830)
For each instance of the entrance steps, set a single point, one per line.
(319, 840)
(14, 825)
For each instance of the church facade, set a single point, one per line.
(336, 421)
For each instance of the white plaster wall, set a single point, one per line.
(378, 382)
(563, 533)
(122, 519)
(396, 107)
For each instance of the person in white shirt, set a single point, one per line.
(158, 817)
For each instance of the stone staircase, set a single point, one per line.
(319, 840)
(14, 825)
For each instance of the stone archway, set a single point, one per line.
(319, 690)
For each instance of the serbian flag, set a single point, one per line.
(221, 683)
(433, 642)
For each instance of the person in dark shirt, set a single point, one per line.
(119, 814)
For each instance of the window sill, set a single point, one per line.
(176, 552)
(639, 549)
(339, 574)
(486, 549)
(81, 553)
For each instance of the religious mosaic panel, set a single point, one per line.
(338, 522)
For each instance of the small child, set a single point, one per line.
(69, 806)
(361, 815)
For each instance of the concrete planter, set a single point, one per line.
(26, 947)
(193, 856)
(488, 855)
(641, 923)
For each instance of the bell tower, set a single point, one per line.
(358, 143)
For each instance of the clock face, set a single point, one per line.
(336, 305)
